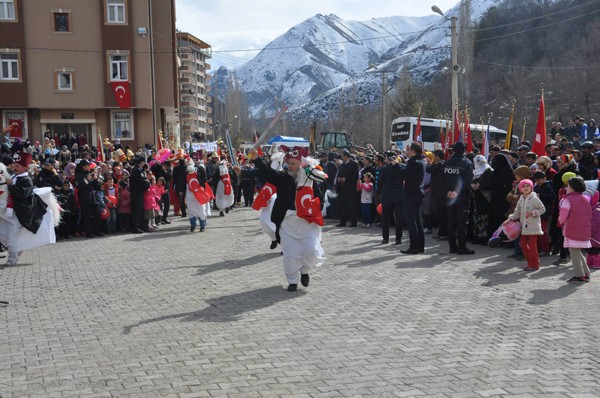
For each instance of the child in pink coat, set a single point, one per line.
(150, 203)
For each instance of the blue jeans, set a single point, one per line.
(367, 217)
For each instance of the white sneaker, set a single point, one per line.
(427, 231)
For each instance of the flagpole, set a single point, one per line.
(525, 120)
(508, 139)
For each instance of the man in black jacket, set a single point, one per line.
(138, 184)
(346, 202)
(180, 184)
(458, 175)
(413, 198)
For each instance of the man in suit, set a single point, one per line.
(413, 198)
(138, 184)
(347, 202)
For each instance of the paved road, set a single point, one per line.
(176, 314)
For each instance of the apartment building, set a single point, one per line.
(195, 107)
(74, 67)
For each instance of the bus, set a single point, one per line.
(403, 130)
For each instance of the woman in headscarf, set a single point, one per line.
(482, 199)
(500, 186)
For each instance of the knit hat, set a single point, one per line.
(522, 171)
(566, 158)
(567, 176)
(23, 158)
(524, 182)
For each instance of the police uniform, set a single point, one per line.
(457, 177)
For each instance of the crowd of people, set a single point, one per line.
(537, 205)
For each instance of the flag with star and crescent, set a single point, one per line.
(122, 93)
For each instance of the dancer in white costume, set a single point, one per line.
(197, 195)
(266, 198)
(225, 196)
(28, 215)
(296, 213)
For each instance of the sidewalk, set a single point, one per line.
(180, 314)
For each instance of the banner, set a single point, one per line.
(205, 146)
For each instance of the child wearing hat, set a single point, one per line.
(528, 211)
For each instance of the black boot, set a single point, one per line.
(304, 279)
(452, 244)
(462, 248)
(273, 244)
(292, 287)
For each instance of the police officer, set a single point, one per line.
(458, 174)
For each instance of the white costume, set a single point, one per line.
(266, 198)
(300, 230)
(197, 198)
(13, 235)
(224, 195)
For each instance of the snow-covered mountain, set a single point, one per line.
(316, 62)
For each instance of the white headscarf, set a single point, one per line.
(481, 165)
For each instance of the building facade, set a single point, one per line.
(195, 109)
(73, 68)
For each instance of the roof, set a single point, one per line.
(282, 138)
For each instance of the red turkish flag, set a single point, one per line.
(263, 196)
(539, 143)
(122, 93)
(307, 206)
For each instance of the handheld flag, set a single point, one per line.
(468, 135)
(539, 143)
(101, 156)
(508, 140)
(456, 128)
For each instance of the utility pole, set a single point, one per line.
(384, 139)
(455, 66)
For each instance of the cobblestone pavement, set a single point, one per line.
(180, 314)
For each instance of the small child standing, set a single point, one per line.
(528, 211)
(575, 218)
(150, 203)
(160, 189)
(111, 195)
(124, 207)
(366, 200)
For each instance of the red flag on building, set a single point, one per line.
(539, 143)
(122, 93)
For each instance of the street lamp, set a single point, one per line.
(226, 124)
(384, 141)
(456, 68)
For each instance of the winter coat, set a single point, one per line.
(596, 225)
(124, 201)
(529, 225)
(150, 198)
(577, 221)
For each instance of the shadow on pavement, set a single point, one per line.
(232, 264)
(228, 308)
(545, 296)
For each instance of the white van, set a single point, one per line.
(403, 131)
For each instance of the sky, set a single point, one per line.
(229, 25)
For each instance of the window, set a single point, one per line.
(122, 125)
(115, 11)
(64, 80)
(16, 116)
(7, 10)
(118, 68)
(9, 63)
(61, 22)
